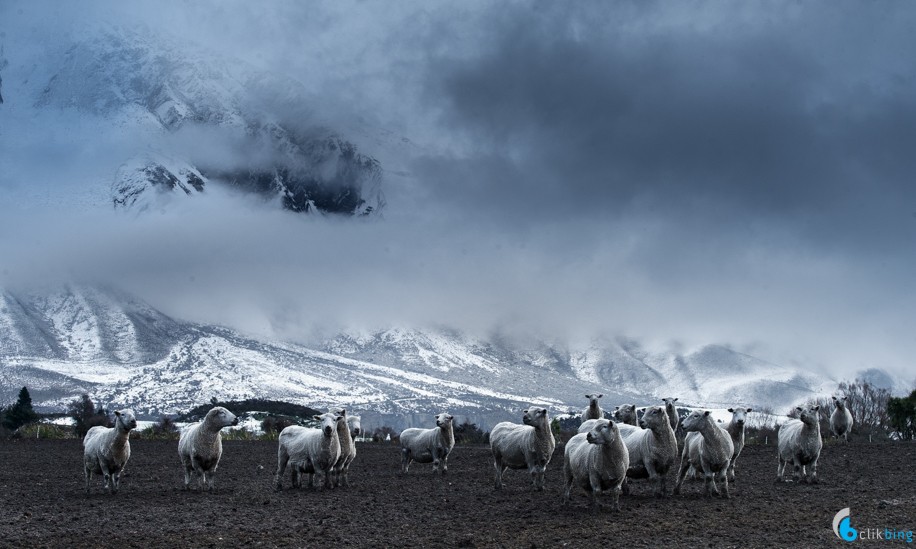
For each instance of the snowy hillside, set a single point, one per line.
(65, 341)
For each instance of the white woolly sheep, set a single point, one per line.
(429, 445)
(671, 410)
(652, 449)
(347, 450)
(799, 442)
(597, 461)
(354, 429)
(107, 449)
(707, 448)
(529, 446)
(626, 414)
(841, 419)
(735, 429)
(309, 450)
(593, 410)
(200, 446)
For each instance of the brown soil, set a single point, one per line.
(44, 504)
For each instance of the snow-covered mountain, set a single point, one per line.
(199, 119)
(65, 341)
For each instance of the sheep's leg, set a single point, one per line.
(812, 473)
(660, 488)
(115, 482)
(730, 471)
(344, 473)
(295, 476)
(568, 476)
(625, 486)
(282, 461)
(780, 469)
(615, 498)
(405, 460)
(88, 472)
(594, 481)
(682, 472)
(444, 463)
(725, 493)
(498, 465)
(209, 479)
(797, 470)
(710, 482)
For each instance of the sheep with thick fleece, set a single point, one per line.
(597, 461)
(671, 410)
(529, 446)
(799, 442)
(626, 414)
(841, 419)
(347, 450)
(309, 450)
(200, 446)
(652, 449)
(593, 410)
(735, 429)
(107, 449)
(354, 429)
(429, 445)
(707, 448)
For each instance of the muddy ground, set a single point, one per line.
(44, 504)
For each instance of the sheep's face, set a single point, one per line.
(808, 415)
(222, 417)
(328, 423)
(625, 412)
(841, 402)
(355, 426)
(593, 399)
(604, 432)
(126, 419)
(739, 415)
(534, 416)
(444, 420)
(654, 418)
(695, 421)
(669, 402)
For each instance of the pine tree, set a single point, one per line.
(20, 413)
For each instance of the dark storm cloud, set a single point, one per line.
(572, 112)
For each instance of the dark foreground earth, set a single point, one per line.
(44, 504)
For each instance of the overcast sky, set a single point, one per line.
(700, 172)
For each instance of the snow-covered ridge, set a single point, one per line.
(125, 353)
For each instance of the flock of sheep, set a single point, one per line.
(600, 458)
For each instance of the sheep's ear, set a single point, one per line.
(816, 408)
(117, 413)
(706, 413)
(750, 410)
(524, 411)
(616, 408)
(675, 400)
(610, 423)
(316, 418)
(834, 398)
(599, 396)
(799, 408)
(732, 410)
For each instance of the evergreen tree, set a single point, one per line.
(902, 412)
(20, 413)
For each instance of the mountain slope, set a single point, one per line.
(61, 342)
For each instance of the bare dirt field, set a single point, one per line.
(44, 504)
